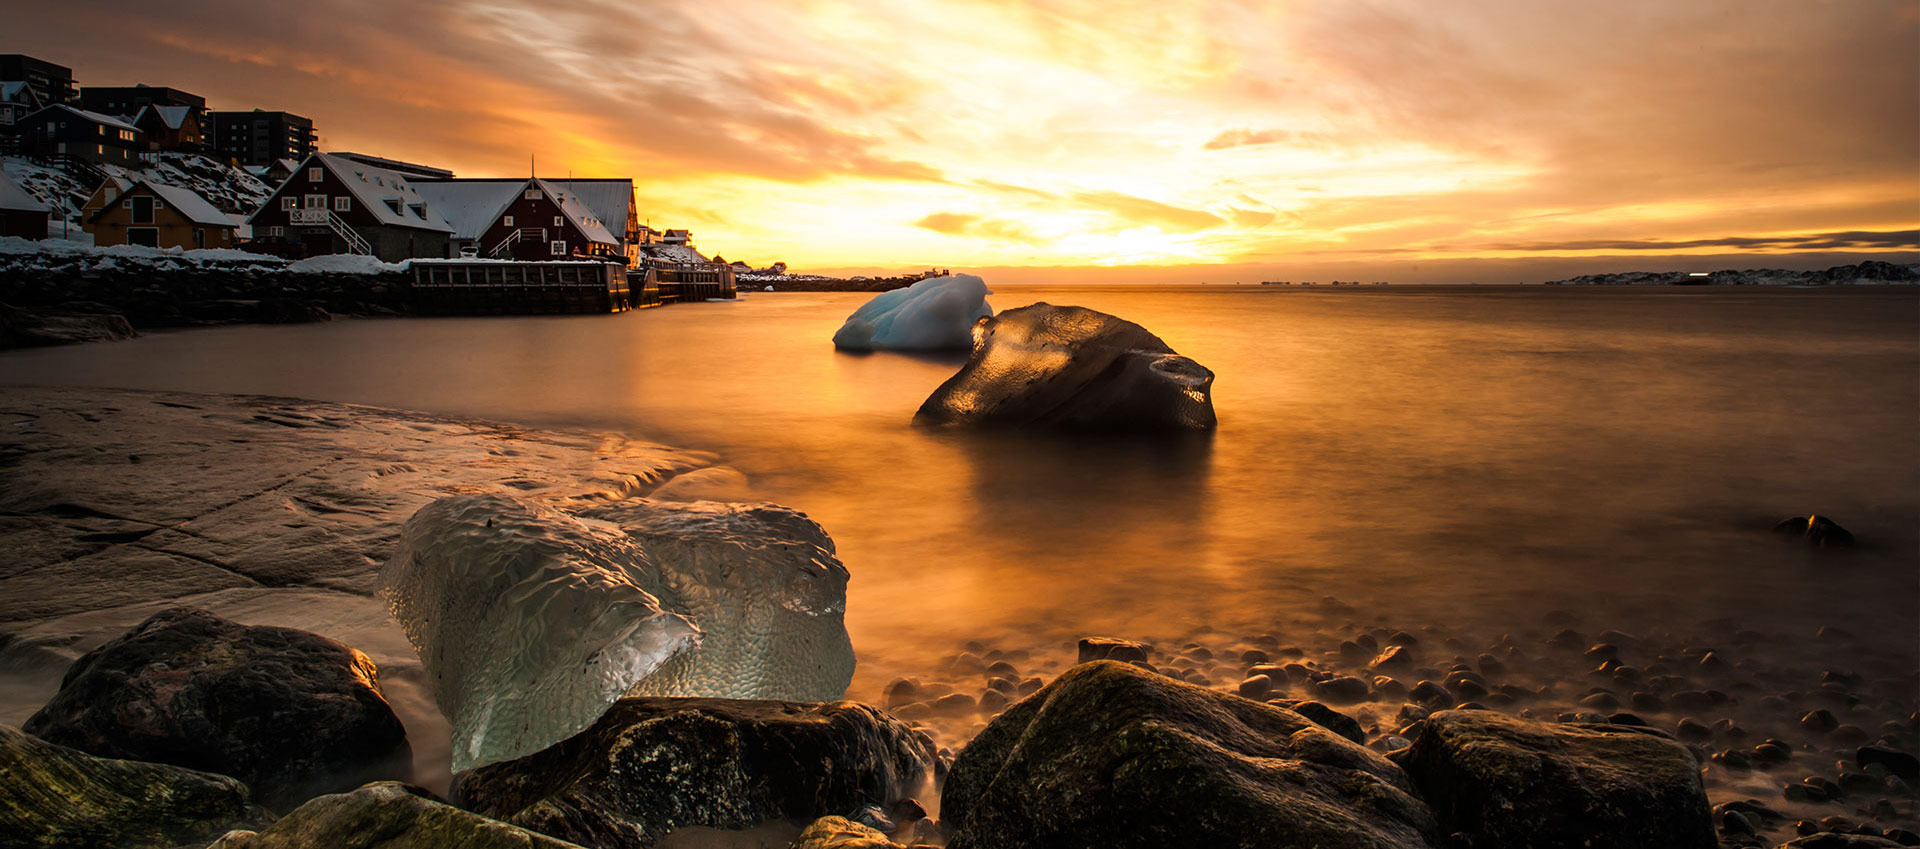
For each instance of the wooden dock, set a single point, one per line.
(495, 287)
(691, 281)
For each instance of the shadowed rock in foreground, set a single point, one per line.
(1511, 783)
(390, 816)
(290, 713)
(653, 765)
(1073, 368)
(54, 796)
(1111, 755)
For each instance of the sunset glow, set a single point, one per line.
(1078, 139)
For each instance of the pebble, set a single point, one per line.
(1821, 720)
(899, 691)
(1394, 656)
(1644, 700)
(1343, 688)
(1602, 652)
(1429, 693)
(1389, 687)
(1772, 752)
(1254, 657)
(1029, 686)
(1490, 665)
(1848, 735)
(1003, 686)
(1111, 648)
(1002, 669)
(1895, 761)
(1602, 700)
(1567, 639)
(955, 704)
(967, 663)
(1257, 687)
(993, 701)
(1690, 700)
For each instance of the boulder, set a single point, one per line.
(651, 765)
(1818, 531)
(1110, 755)
(290, 713)
(54, 796)
(841, 833)
(1510, 783)
(387, 815)
(1070, 367)
(1111, 648)
(21, 328)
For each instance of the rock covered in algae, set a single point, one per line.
(54, 796)
(764, 587)
(387, 815)
(1511, 783)
(1071, 367)
(292, 714)
(528, 622)
(1111, 755)
(651, 766)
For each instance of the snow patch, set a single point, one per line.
(344, 264)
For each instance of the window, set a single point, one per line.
(316, 201)
(289, 203)
(100, 149)
(508, 220)
(276, 230)
(557, 248)
(342, 203)
(532, 194)
(142, 211)
(313, 175)
(556, 221)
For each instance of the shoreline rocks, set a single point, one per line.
(55, 796)
(289, 713)
(652, 765)
(389, 815)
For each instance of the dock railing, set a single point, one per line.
(494, 287)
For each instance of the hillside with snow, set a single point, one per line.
(229, 188)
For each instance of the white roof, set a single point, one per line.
(189, 203)
(172, 116)
(375, 187)
(470, 206)
(95, 117)
(16, 199)
(610, 200)
(473, 205)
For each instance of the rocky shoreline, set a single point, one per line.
(1339, 727)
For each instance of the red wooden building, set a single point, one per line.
(330, 205)
(535, 219)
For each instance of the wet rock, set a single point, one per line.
(1898, 763)
(1692, 730)
(291, 714)
(1325, 717)
(1393, 657)
(1821, 720)
(1830, 840)
(398, 816)
(1342, 688)
(841, 833)
(1429, 693)
(1257, 687)
(21, 328)
(1048, 366)
(898, 692)
(1109, 756)
(55, 796)
(651, 765)
(1111, 648)
(1818, 531)
(1519, 784)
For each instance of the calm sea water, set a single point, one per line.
(1466, 457)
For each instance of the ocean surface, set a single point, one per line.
(1468, 457)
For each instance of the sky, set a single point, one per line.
(1091, 140)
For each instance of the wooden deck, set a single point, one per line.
(494, 287)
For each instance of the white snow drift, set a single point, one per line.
(935, 313)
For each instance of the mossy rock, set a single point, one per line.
(53, 796)
(386, 815)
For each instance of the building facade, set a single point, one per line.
(64, 131)
(21, 214)
(160, 216)
(51, 83)
(331, 205)
(538, 219)
(260, 137)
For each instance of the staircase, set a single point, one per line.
(505, 247)
(355, 243)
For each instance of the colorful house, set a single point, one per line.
(535, 219)
(331, 205)
(170, 127)
(161, 216)
(63, 131)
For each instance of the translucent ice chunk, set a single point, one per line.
(763, 584)
(528, 622)
(935, 313)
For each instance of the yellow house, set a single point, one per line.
(161, 216)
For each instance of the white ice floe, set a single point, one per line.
(529, 622)
(935, 313)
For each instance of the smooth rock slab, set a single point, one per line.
(1074, 368)
(386, 815)
(290, 713)
(652, 765)
(1110, 755)
(1512, 783)
(55, 796)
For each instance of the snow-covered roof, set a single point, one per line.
(15, 199)
(471, 206)
(95, 117)
(392, 200)
(172, 116)
(240, 226)
(610, 200)
(576, 211)
(17, 91)
(189, 203)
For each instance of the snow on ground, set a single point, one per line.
(672, 253)
(344, 264)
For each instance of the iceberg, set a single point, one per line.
(528, 622)
(935, 313)
(1072, 367)
(764, 586)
